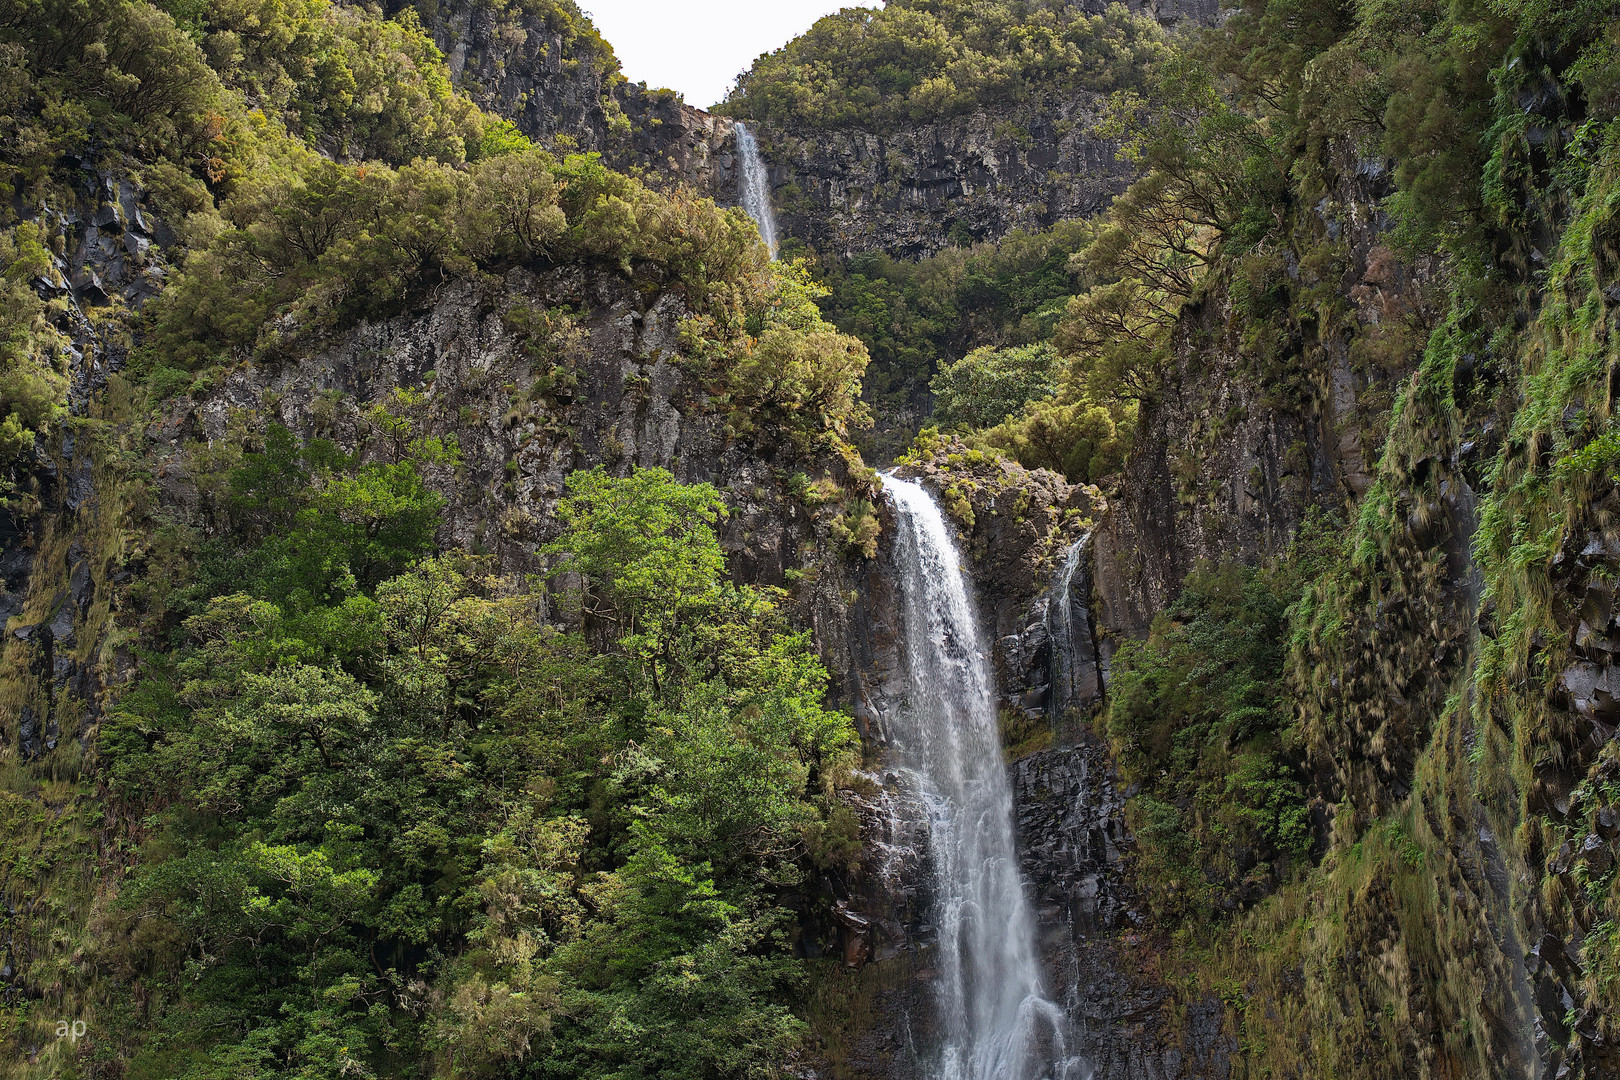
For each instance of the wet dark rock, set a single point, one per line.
(1071, 831)
(61, 625)
(1597, 855)
(917, 190)
(28, 733)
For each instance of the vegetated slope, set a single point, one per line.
(355, 724)
(1360, 307)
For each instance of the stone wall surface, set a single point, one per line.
(915, 191)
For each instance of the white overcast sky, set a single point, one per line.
(699, 47)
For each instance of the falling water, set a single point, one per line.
(993, 1020)
(1069, 631)
(756, 186)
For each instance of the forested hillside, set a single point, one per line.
(300, 788)
(452, 626)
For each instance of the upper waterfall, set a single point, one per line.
(994, 1021)
(756, 185)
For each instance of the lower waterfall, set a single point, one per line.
(994, 1022)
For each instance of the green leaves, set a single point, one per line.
(317, 245)
(33, 388)
(920, 62)
(784, 364)
(1196, 716)
(990, 385)
(417, 823)
(329, 527)
(645, 550)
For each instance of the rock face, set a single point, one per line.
(1227, 460)
(1074, 853)
(563, 90)
(536, 72)
(908, 192)
(1575, 791)
(915, 191)
(56, 580)
(625, 402)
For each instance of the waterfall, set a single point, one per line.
(994, 1022)
(1074, 682)
(756, 185)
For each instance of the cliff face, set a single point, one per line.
(83, 572)
(909, 192)
(1236, 445)
(541, 73)
(556, 80)
(626, 402)
(1468, 950)
(915, 191)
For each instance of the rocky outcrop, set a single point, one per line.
(618, 396)
(917, 190)
(560, 85)
(670, 143)
(541, 73)
(1229, 458)
(1017, 528)
(1573, 791)
(1074, 850)
(923, 187)
(60, 534)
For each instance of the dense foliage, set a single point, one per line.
(781, 362)
(915, 317)
(921, 60)
(989, 385)
(1199, 716)
(32, 355)
(386, 811)
(324, 245)
(1439, 750)
(398, 822)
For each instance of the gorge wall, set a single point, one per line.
(1448, 674)
(915, 191)
(908, 191)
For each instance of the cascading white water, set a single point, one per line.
(756, 185)
(994, 1022)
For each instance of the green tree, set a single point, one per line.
(645, 551)
(987, 386)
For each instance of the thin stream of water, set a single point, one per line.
(1063, 628)
(756, 185)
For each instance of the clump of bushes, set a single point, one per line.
(920, 60)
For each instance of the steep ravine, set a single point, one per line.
(1454, 689)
